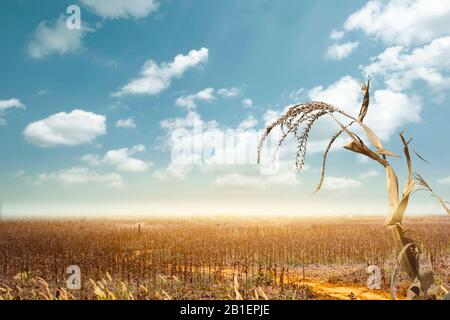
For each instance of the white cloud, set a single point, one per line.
(228, 93)
(155, 78)
(444, 181)
(126, 123)
(49, 39)
(340, 183)
(270, 116)
(248, 123)
(91, 159)
(194, 142)
(67, 129)
(6, 105)
(337, 35)
(403, 22)
(190, 100)
(173, 172)
(79, 176)
(341, 51)
(393, 109)
(247, 103)
(400, 67)
(11, 103)
(237, 180)
(344, 93)
(121, 158)
(117, 9)
(207, 94)
(369, 174)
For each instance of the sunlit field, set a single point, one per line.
(289, 258)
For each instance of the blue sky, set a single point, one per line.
(87, 116)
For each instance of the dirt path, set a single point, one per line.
(339, 291)
(344, 291)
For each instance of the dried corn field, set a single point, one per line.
(289, 258)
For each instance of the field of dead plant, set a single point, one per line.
(289, 258)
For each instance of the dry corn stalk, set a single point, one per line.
(303, 116)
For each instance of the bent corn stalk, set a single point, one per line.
(304, 116)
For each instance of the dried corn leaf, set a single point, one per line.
(424, 184)
(408, 253)
(392, 186)
(385, 152)
(407, 155)
(376, 142)
(358, 146)
(364, 150)
(421, 158)
(365, 104)
(407, 258)
(372, 136)
(397, 216)
(325, 157)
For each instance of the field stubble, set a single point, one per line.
(289, 258)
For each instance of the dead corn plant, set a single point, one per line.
(299, 119)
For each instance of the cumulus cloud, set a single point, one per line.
(5, 105)
(11, 103)
(66, 129)
(337, 35)
(369, 174)
(393, 109)
(194, 142)
(126, 123)
(247, 103)
(228, 93)
(207, 94)
(401, 66)
(248, 123)
(341, 51)
(344, 93)
(122, 159)
(79, 176)
(190, 101)
(55, 38)
(155, 78)
(402, 22)
(119, 9)
(340, 183)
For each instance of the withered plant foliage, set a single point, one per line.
(206, 258)
(299, 120)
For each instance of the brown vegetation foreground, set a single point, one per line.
(211, 259)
